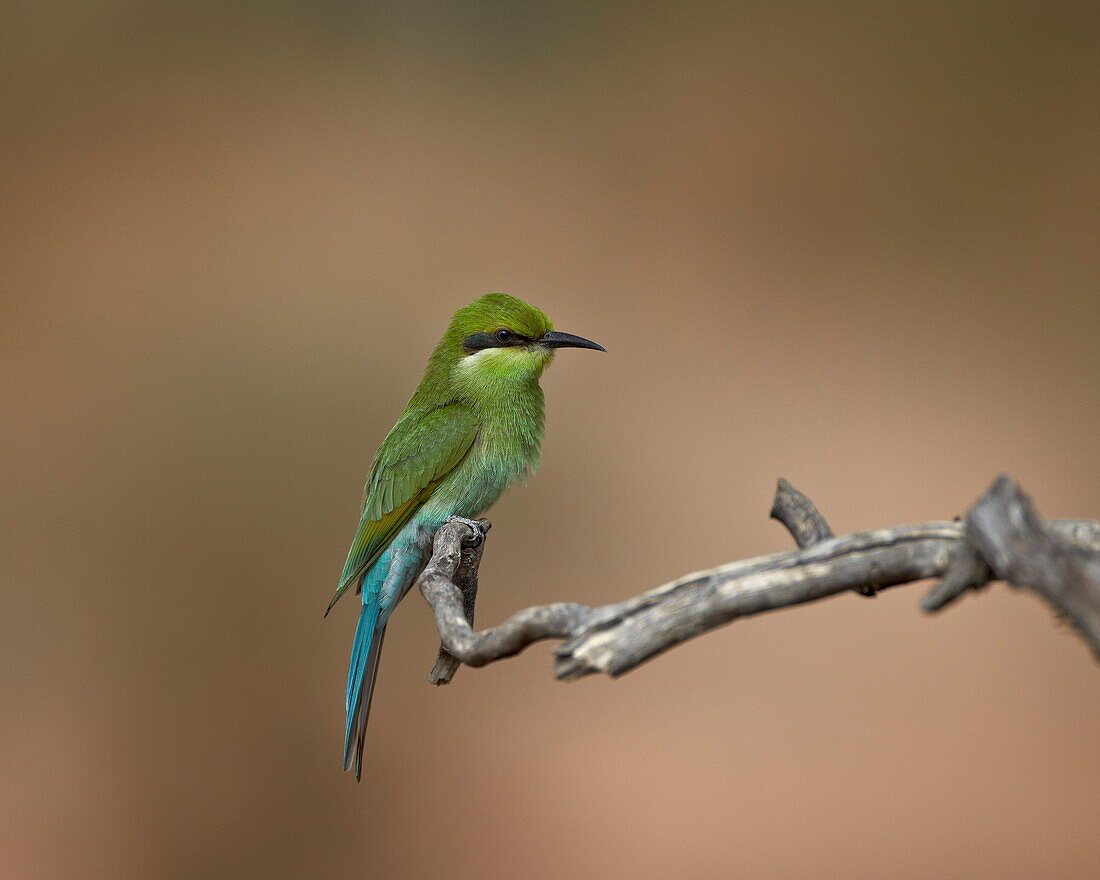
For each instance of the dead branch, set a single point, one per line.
(1002, 538)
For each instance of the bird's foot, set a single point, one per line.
(479, 528)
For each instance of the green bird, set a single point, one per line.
(472, 428)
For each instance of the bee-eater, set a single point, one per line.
(473, 427)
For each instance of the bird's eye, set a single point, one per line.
(503, 336)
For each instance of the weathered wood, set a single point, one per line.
(455, 560)
(1002, 538)
(1007, 533)
(805, 523)
(799, 514)
(464, 578)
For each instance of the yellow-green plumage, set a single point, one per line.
(420, 450)
(473, 426)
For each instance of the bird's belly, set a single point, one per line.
(467, 491)
(474, 486)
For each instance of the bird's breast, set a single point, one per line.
(505, 450)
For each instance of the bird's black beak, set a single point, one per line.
(554, 339)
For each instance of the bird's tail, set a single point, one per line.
(365, 651)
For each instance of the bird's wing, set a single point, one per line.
(420, 450)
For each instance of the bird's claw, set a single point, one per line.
(477, 528)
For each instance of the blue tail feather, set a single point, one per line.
(365, 651)
(383, 585)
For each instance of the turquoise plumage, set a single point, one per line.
(473, 427)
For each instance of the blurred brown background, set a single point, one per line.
(851, 245)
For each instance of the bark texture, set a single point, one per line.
(1001, 538)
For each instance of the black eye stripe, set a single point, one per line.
(478, 341)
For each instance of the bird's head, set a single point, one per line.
(498, 340)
